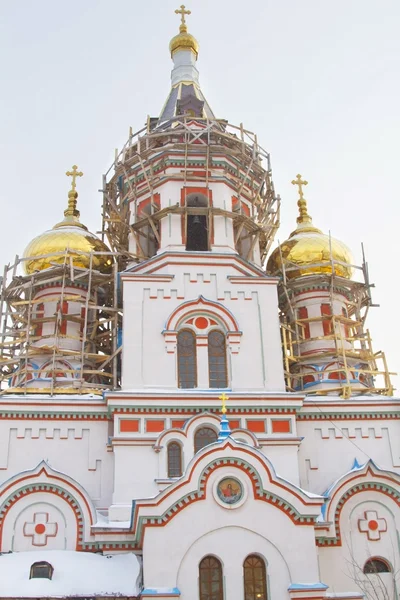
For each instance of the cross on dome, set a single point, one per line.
(74, 174)
(181, 11)
(300, 182)
(303, 217)
(72, 211)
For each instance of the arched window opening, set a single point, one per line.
(197, 225)
(174, 459)
(61, 319)
(217, 367)
(244, 239)
(41, 570)
(187, 367)
(210, 579)
(149, 235)
(376, 565)
(203, 437)
(255, 578)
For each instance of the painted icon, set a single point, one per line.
(230, 490)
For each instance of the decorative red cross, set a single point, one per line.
(372, 525)
(40, 529)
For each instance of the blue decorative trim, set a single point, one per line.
(224, 429)
(307, 586)
(173, 592)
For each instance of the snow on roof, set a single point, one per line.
(75, 574)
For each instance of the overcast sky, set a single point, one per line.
(318, 81)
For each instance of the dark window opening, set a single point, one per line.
(197, 225)
(217, 367)
(174, 460)
(255, 578)
(187, 367)
(210, 579)
(203, 437)
(41, 570)
(149, 235)
(376, 565)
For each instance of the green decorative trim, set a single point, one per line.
(70, 416)
(120, 409)
(347, 416)
(199, 494)
(360, 487)
(44, 487)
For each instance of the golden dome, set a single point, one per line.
(184, 40)
(49, 248)
(309, 249)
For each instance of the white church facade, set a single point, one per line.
(184, 413)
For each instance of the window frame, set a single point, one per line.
(252, 595)
(195, 374)
(179, 446)
(211, 594)
(40, 565)
(225, 357)
(377, 559)
(202, 428)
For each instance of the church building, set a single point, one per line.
(188, 411)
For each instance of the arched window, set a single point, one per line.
(149, 235)
(174, 459)
(210, 579)
(187, 367)
(41, 570)
(203, 437)
(255, 578)
(376, 565)
(217, 368)
(197, 223)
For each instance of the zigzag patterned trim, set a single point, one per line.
(323, 416)
(64, 416)
(360, 487)
(189, 410)
(200, 494)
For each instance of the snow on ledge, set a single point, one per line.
(75, 574)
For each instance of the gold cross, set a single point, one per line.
(183, 12)
(223, 398)
(74, 174)
(299, 182)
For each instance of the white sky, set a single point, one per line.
(318, 81)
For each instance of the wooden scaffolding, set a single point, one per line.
(188, 149)
(372, 367)
(99, 326)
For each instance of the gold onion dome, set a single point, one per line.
(70, 235)
(309, 249)
(184, 40)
